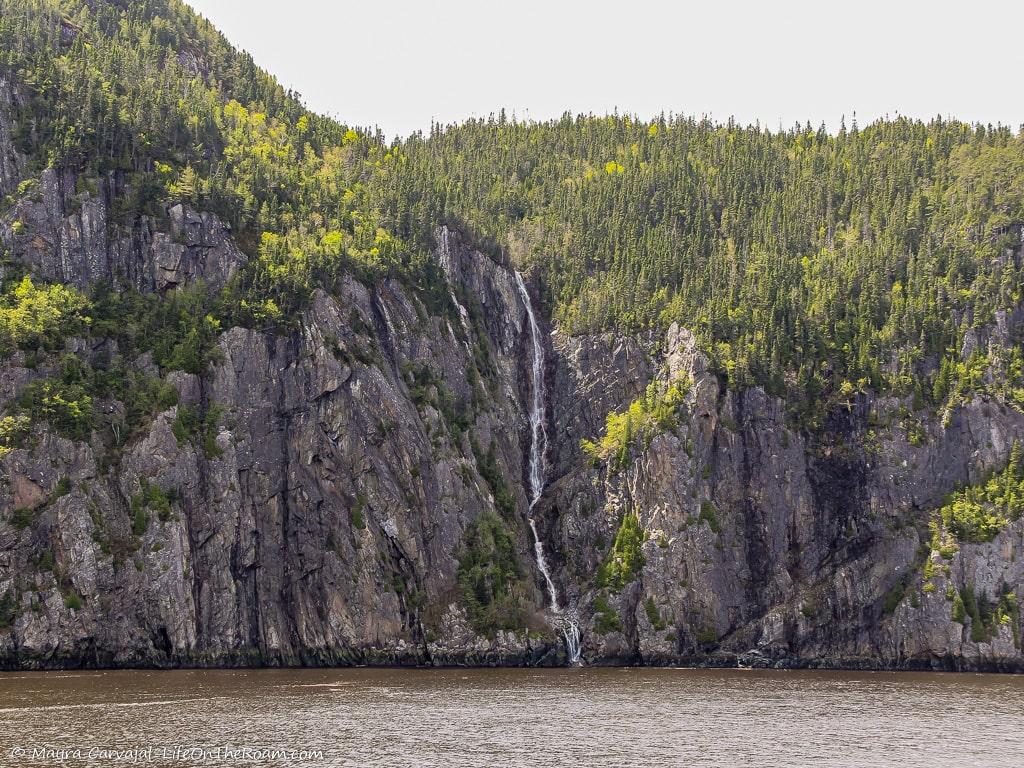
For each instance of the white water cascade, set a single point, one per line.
(538, 440)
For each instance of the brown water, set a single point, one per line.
(563, 717)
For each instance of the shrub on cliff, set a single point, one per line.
(626, 558)
(490, 576)
(648, 416)
(978, 513)
(34, 317)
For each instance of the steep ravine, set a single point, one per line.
(324, 518)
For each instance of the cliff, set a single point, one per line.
(351, 488)
(763, 544)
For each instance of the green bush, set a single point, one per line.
(22, 517)
(150, 498)
(647, 417)
(67, 402)
(487, 465)
(191, 425)
(626, 559)
(809, 608)
(709, 515)
(68, 408)
(606, 618)
(140, 519)
(8, 610)
(358, 521)
(958, 613)
(707, 636)
(143, 397)
(63, 488)
(987, 616)
(893, 598)
(979, 512)
(653, 614)
(14, 430)
(606, 623)
(40, 318)
(179, 328)
(425, 388)
(490, 577)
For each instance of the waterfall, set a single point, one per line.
(538, 438)
(538, 441)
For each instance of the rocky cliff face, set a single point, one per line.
(11, 161)
(321, 520)
(320, 516)
(765, 545)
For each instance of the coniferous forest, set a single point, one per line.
(818, 265)
(632, 388)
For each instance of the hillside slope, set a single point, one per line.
(266, 379)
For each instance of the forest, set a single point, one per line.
(818, 265)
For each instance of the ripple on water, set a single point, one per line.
(572, 717)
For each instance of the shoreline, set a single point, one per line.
(547, 661)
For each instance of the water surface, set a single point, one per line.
(560, 717)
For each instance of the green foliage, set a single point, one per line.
(68, 402)
(63, 488)
(72, 600)
(893, 598)
(490, 577)
(150, 498)
(425, 388)
(626, 560)
(487, 465)
(809, 608)
(8, 609)
(959, 613)
(987, 616)
(14, 430)
(358, 520)
(648, 416)
(67, 407)
(707, 636)
(193, 352)
(40, 318)
(709, 515)
(143, 397)
(187, 424)
(192, 424)
(975, 608)
(1007, 613)
(653, 614)
(606, 618)
(140, 519)
(180, 328)
(22, 517)
(977, 513)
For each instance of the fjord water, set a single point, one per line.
(516, 717)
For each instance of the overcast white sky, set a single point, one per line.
(402, 63)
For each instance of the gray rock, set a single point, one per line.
(319, 516)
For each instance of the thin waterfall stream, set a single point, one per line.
(538, 441)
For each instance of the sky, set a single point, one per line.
(402, 64)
